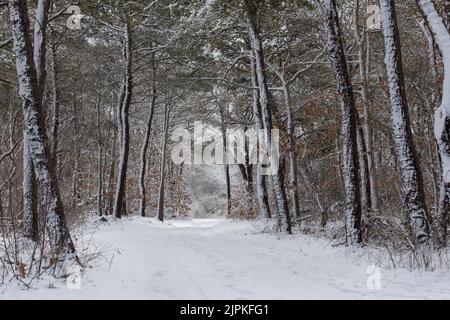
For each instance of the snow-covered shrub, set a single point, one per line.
(396, 247)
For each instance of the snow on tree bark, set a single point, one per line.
(348, 122)
(143, 166)
(266, 112)
(120, 206)
(414, 202)
(261, 187)
(441, 37)
(29, 185)
(29, 193)
(366, 200)
(56, 109)
(162, 177)
(99, 158)
(57, 231)
(447, 13)
(293, 175)
(362, 42)
(40, 43)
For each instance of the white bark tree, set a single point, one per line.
(55, 222)
(29, 186)
(349, 118)
(441, 37)
(414, 202)
(266, 112)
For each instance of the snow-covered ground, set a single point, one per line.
(218, 259)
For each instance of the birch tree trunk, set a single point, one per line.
(57, 231)
(120, 206)
(40, 43)
(414, 202)
(29, 193)
(29, 185)
(349, 124)
(442, 116)
(256, 43)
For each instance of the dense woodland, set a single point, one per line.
(356, 89)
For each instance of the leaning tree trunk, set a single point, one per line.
(29, 185)
(120, 206)
(441, 36)
(143, 167)
(349, 124)
(414, 202)
(447, 13)
(57, 231)
(266, 112)
(261, 187)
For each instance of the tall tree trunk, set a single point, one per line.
(437, 90)
(416, 211)
(226, 167)
(111, 178)
(163, 164)
(256, 43)
(349, 124)
(29, 193)
(29, 185)
(99, 159)
(40, 44)
(56, 109)
(442, 116)
(366, 200)
(76, 153)
(55, 221)
(261, 184)
(143, 167)
(120, 205)
(363, 55)
(293, 175)
(246, 170)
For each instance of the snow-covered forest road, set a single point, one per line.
(218, 259)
